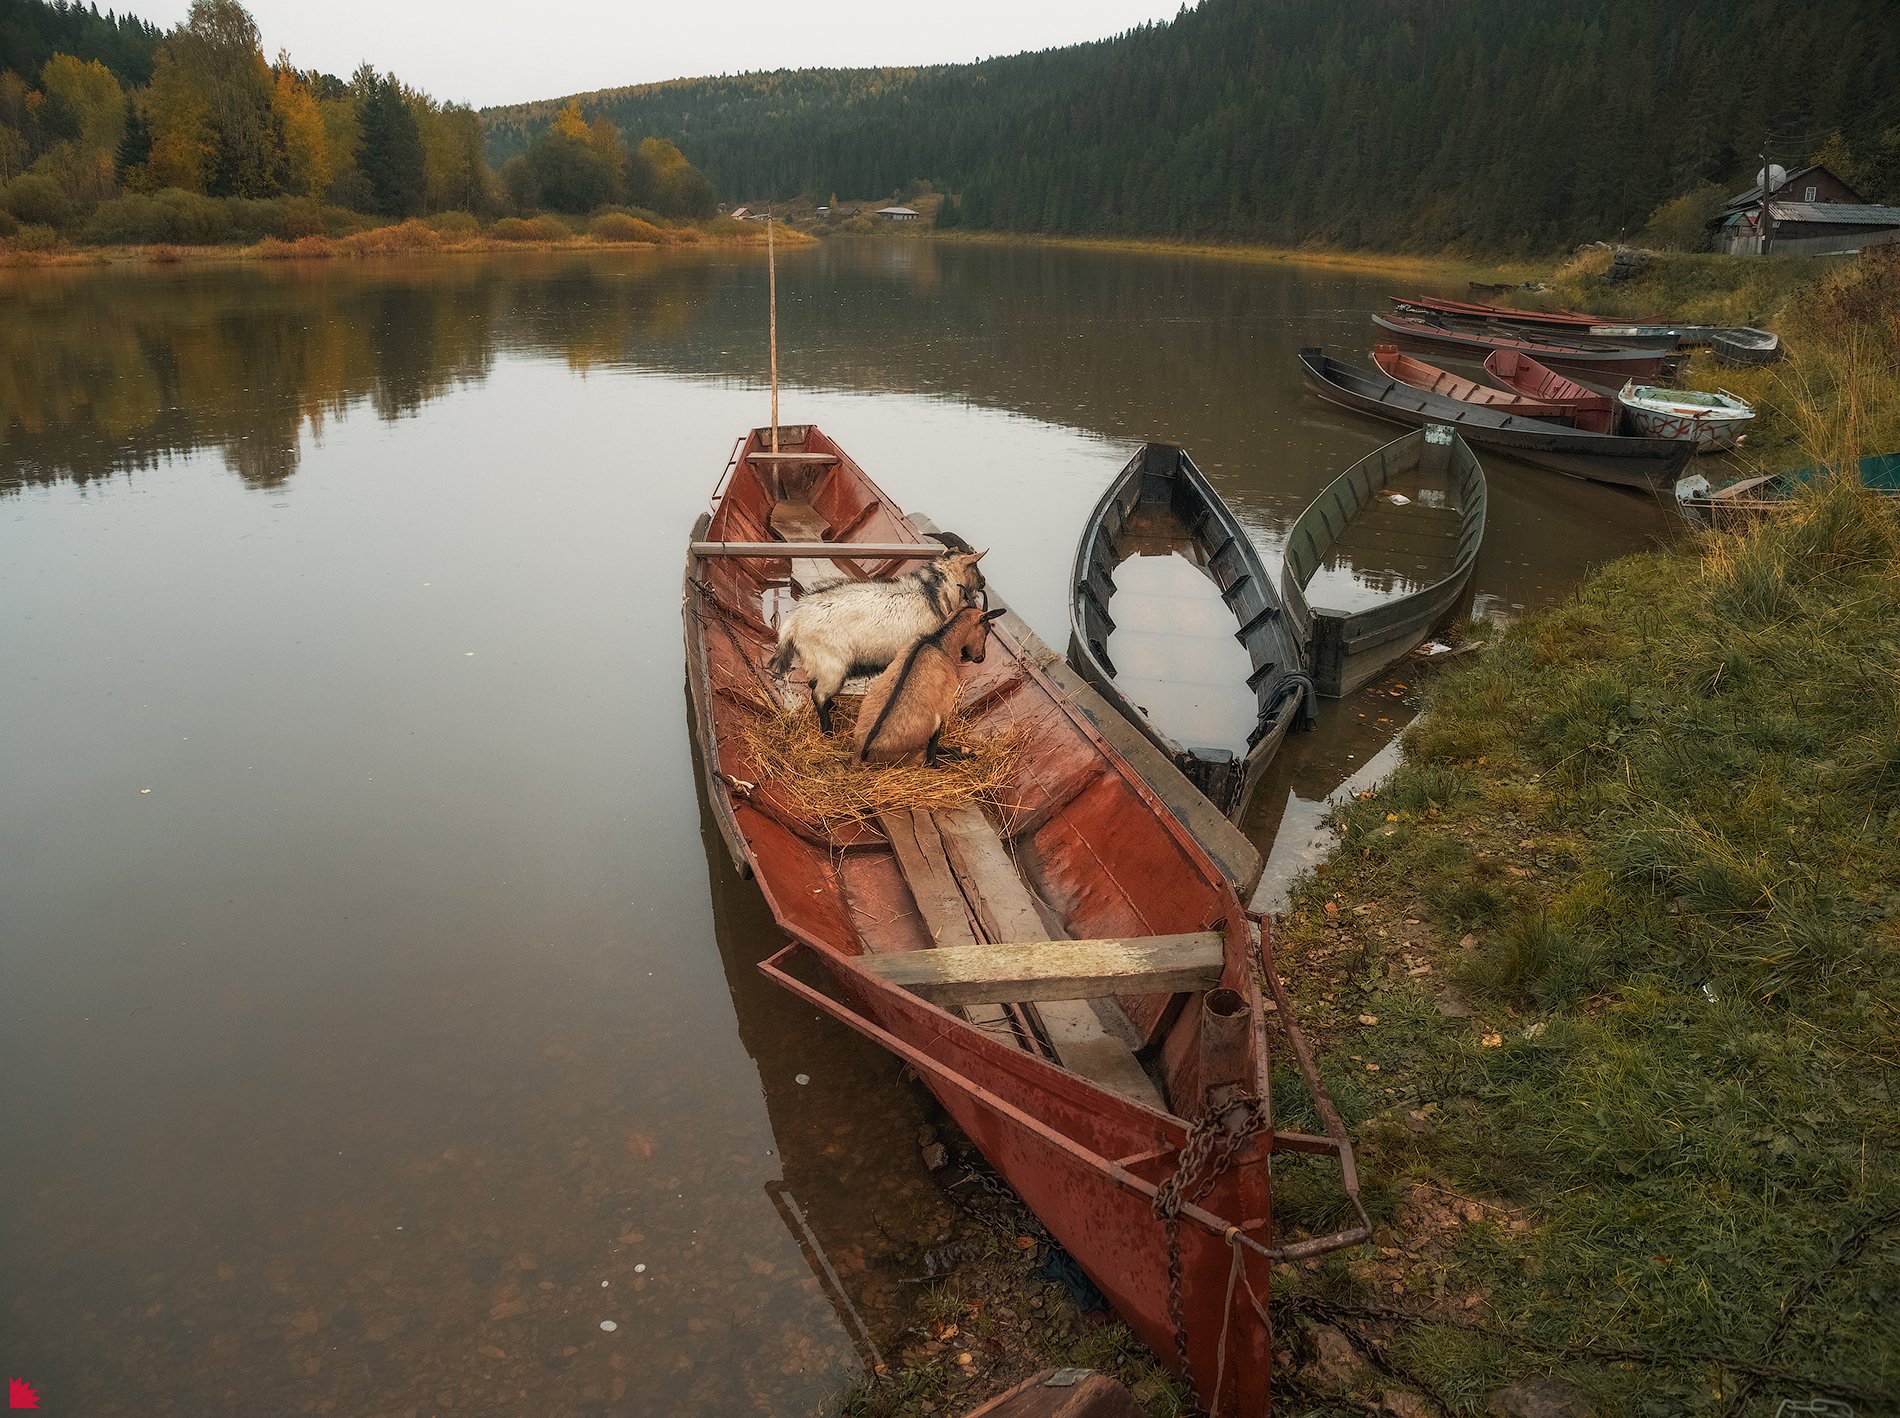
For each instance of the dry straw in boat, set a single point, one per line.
(821, 782)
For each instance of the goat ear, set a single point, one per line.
(999, 611)
(977, 556)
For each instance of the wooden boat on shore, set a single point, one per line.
(1582, 407)
(1163, 501)
(1593, 359)
(1507, 314)
(1745, 345)
(1066, 967)
(1433, 380)
(1348, 649)
(1647, 463)
(1771, 492)
(1709, 422)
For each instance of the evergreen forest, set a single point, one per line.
(1494, 125)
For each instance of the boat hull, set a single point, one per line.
(1648, 464)
(1349, 649)
(1083, 1106)
(1098, 1210)
(1707, 430)
(1503, 314)
(1582, 408)
(1433, 380)
(1162, 480)
(1591, 361)
(1745, 345)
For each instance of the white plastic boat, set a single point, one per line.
(1713, 422)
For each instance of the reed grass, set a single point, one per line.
(818, 779)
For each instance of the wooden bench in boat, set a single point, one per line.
(970, 896)
(1057, 969)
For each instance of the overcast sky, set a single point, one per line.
(486, 53)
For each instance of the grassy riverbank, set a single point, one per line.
(1609, 978)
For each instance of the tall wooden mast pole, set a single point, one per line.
(771, 285)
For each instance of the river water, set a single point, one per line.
(378, 1020)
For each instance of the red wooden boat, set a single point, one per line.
(1072, 975)
(1584, 408)
(1481, 310)
(1595, 359)
(1434, 380)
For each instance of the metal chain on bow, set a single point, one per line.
(1213, 1142)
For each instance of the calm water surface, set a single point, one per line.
(378, 1017)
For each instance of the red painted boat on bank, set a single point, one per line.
(1433, 380)
(1071, 974)
(1580, 406)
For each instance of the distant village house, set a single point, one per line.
(1811, 212)
(898, 214)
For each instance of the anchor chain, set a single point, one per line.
(1214, 1140)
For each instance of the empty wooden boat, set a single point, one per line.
(1434, 380)
(1709, 422)
(1581, 407)
(1771, 492)
(1350, 648)
(1161, 504)
(1745, 345)
(1648, 463)
(1593, 359)
(1065, 965)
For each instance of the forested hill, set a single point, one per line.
(1493, 123)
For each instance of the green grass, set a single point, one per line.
(1653, 838)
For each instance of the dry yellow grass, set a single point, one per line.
(820, 782)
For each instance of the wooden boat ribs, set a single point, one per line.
(1092, 883)
(1347, 649)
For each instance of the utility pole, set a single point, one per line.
(1762, 219)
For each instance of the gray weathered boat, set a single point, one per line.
(1649, 463)
(1161, 498)
(1745, 345)
(1347, 649)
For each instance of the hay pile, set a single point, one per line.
(818, 780)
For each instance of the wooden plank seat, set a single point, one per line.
(800, 522)
(969, 894)
(1057, 969)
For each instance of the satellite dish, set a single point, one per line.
(1772, 178)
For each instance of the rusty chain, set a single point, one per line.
(1210, 1149)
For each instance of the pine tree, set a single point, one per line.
(390, 154)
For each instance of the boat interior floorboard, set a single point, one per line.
(963, 849)
(800, 522)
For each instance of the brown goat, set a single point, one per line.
(907, 706)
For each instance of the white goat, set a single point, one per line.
(845, 628)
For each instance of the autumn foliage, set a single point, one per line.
(190, 136)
